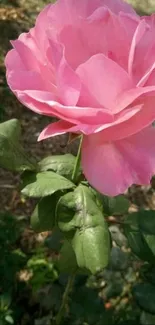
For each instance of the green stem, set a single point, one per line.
(77, 162)
(68, 288)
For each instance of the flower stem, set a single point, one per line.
(77, 162)
(68, 288)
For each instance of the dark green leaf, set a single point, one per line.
(60, 164)
(115, 205)
(81, 219)
(43, 216)
(147, 318)
(5, 301)
(147, 272)
(67, 259)
(136, 239)
(12, 155)
(145, 296)
(87, 307)
(147, 221)
(44, 184)
(54, 241)
(150, 240)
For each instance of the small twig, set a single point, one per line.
(67, 291)
(77, 163)
(7, 186)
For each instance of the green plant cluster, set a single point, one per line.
(80, 241)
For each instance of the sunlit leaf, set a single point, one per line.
(61, 164)
(81, 219)
(44, 184)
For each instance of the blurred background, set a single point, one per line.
(30, 286)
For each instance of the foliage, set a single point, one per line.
(78, 243)
(140, 231)
(12, 259)
(5, 311)
(42, 270)
(12, 155)
(81, 220)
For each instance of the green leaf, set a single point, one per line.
(147, 221)
(137, 239)
(54, 241)
(82, 221)
(150, 240)
(5, 301)
(115, 205)
(44, 184)
(60, 164)
(88, 307)
(148, 273)
(43, 216)
(67, 260)
(145, 296)
(12, 155)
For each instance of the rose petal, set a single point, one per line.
(139, 32)
(43, 103)
(27, 55)
(26, 80)
(119, 5)
(70, 10)
(126, 98)
(68, 84)
(104, 79)
(108, 33)
(13, 61)
(54, 129)
(129, 125)
(144, 49)
(42, 24)
(111, 167)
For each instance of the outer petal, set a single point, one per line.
(119, 5)
(112, 167)
(26, 57)
(13, 59)
(104, 79)
(43, 103)
(52, 74)
(120, 129)
(43, 22)
(70, 10)
(54, 129)
(126, 98)
(29, 56)
(139, 32)
(142, 50)
(61, 127)
(28, 80)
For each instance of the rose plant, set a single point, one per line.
(91, 64)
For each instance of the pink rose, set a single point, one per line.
(91, 63)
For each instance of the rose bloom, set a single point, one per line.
(91, 64)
